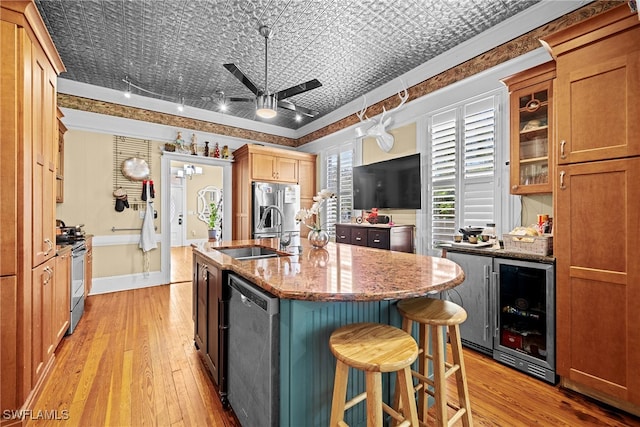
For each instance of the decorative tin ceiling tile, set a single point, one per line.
(176, 48)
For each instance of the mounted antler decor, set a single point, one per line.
(378, 129)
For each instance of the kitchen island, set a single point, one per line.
(320, 290)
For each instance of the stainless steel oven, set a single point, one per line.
(78, 254)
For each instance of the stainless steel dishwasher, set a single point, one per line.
(253, 354)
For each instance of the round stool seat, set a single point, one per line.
(432, 311)
(373, 347)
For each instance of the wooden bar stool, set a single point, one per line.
(435, 316)
(373, 348)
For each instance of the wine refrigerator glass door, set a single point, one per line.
(524, 335)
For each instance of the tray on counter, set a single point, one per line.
(471, 245)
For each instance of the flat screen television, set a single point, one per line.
(391, 184)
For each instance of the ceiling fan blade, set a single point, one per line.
(240, 76)
(298, 89)
(291, 106)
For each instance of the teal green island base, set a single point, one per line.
(307, 366)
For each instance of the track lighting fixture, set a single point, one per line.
(181, 104)
(222, 102)
(127, 93)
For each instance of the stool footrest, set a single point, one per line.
(395, 415)
(452, 370)
(355, 400)
(457, 416)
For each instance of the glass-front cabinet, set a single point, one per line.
(531, 103)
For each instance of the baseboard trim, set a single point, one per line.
(105, 285)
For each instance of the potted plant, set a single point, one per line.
(317, 236)
(214, 219)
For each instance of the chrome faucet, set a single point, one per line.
(261, 224)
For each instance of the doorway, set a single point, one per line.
(176, 212)
(191, 230)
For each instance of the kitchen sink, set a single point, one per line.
(251, 252)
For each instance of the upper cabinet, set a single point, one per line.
(598, 83)
(270, 167)
(531, 117)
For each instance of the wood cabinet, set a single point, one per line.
(267, 167)
(531, 117)
(396, 238)
(62, 129)
(259, 163)
(598, 80)
(42, 289)
(28, 143)
(307, 182)
(597, 207)
(88, 266)
(209, 311)
(44, 146)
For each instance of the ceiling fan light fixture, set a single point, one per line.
(266, 106)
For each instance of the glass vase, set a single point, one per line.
(318, 238)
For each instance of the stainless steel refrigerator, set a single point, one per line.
(286, 197)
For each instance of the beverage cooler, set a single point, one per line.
(510, 306)
(524, 316)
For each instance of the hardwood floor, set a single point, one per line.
(181, 264)
(131, 361)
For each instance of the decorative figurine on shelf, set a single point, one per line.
(225, 152)
(372, 218)
(216, 151)
(206, 148)
(194, 145)
(180, 142)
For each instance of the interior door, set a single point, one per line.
(176, 215)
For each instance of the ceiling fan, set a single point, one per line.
(267, 102)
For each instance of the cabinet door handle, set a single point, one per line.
(49, 272)
(50, 244)
(562, 186)
(204, 271)
(514, 187)
(376, 240)
(343, 237)
(562, 153)
(487, 286)
(358, 238)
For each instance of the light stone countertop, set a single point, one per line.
(339, 272)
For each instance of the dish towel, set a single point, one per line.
(148, 234)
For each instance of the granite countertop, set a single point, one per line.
(499, 253)
(339, 272)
